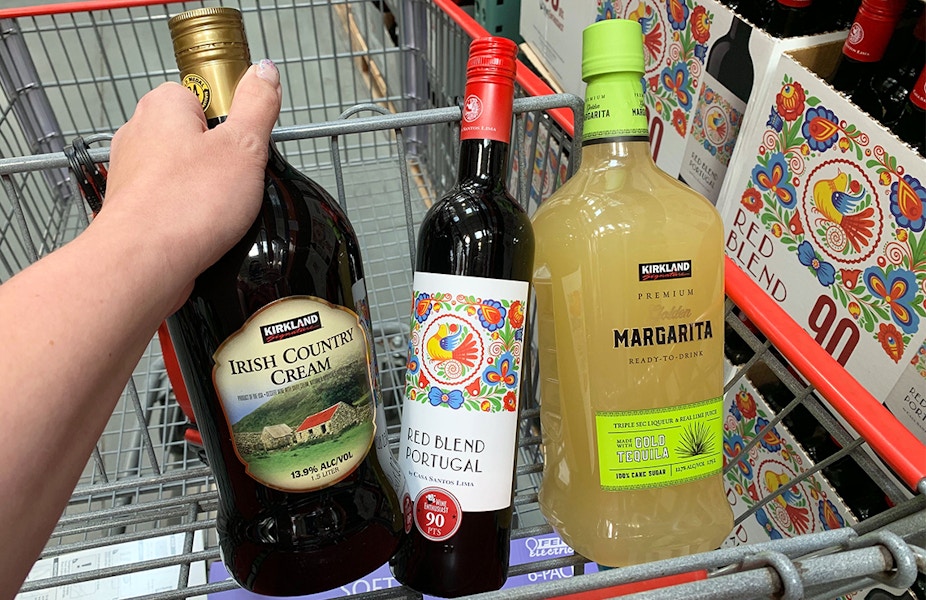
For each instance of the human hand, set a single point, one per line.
(192, 191)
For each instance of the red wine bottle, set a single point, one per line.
(910, 126)
(460, 414)
(276, 355)
(866, 43)
(789, 18)
(890, 86)
(835, 15)
(91, 182)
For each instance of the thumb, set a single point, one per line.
(256, 104)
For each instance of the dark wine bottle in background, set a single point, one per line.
(276, 354)
(866, 43)
(885, 96)
(844, 13)
(861, 494)
(90, 178)
(910, 126)
(725, 89)
(460, 414)
(789, 18)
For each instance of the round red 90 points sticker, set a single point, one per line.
(437, 514)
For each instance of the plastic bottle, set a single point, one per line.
(629, 291)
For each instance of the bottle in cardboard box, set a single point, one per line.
(910, 126)
(866, 44)
(895, 75)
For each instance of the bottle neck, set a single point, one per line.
(739, 34)
(483, 162)
(485, 129)
(871, 31)
(615, 111)
(615, 124)
(214, 82)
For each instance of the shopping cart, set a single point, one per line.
(376, 121)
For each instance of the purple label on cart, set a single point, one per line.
(526, 550)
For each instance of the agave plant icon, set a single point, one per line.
(695, 441)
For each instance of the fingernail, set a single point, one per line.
(267, 71)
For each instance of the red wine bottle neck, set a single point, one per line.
(483, 161)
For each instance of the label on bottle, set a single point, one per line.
(869, 36)
(487, 112)
(641, 449)
(200, 88)
(918, 92)
(295, 383)
(615, 110)
(710, 143)
(384, 453)
(460, 415)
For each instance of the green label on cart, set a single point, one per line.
(641, 449)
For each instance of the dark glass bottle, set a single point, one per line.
(789, 18)
(753, 11)
(275, 352)
(866, 43)
(884, 98)
(858, 490)
(91, 182)
(834, 15)
(459, 428)
(910, 126)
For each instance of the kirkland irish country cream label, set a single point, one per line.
(296, 387)
(640, 449)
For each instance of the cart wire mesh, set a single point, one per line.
(373, 114)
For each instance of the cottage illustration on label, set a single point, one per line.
(295, 383)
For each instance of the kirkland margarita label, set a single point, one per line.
(641, 449)
(461, 402)
(615, 110)
(296, 386)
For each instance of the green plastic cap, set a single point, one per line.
(612, 46)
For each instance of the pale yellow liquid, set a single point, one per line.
(619, 211)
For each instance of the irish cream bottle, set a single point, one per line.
(275, 349)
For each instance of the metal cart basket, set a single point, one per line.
(370, 111)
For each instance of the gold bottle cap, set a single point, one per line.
(208, 34)
(211, 50)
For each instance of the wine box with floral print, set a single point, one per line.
(824, 208)
(702, 64)
(773, 463)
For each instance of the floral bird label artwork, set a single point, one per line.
(826, 212)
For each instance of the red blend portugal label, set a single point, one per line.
(460, 413)
(296, 387)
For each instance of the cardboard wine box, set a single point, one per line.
(703, 64)
(824, 209)
(769, 468)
